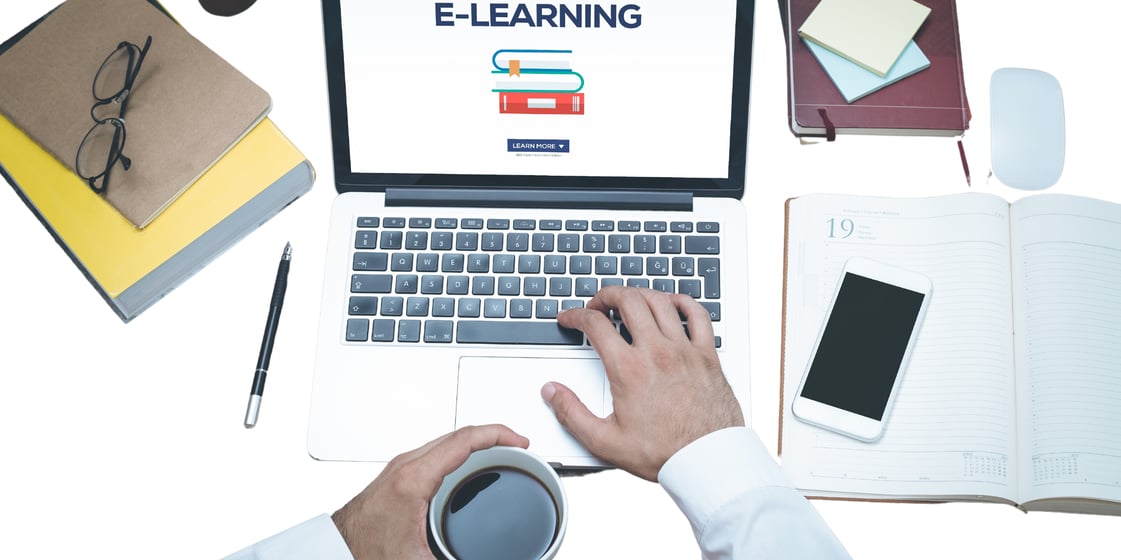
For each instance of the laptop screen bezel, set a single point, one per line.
(347, 180)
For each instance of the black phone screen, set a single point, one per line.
(863, 345)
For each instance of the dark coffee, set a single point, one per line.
(500, 514)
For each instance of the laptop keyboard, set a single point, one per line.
(500, 281)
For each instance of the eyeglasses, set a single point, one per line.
(104, 144)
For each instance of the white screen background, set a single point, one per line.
(657, 97)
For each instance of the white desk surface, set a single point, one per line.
(126, 440)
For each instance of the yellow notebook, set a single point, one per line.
(133, 268)
(186, 107)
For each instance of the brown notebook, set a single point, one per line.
(928, 103)
(187, 108)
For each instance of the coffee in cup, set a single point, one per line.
(503, 503)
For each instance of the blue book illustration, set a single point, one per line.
(855, 82)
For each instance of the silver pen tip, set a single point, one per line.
(287, 252)
(252, 410)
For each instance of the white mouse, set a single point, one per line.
(1028, 128)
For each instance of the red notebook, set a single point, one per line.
(931, 102)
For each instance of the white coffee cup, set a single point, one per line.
(495, 505)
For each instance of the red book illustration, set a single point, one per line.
(541, 103)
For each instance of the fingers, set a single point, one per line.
(647, 314)
(443, 455)
(600, 330)
(698, 319)
(590, 430)
(664, 308)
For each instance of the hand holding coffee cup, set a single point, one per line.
(503, 503)
(387, 520)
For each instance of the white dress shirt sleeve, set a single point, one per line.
(739, 503)
(315, 538)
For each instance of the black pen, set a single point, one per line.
(271, 323)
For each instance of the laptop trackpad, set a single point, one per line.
(508, 391)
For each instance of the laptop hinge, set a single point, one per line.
(520, 198)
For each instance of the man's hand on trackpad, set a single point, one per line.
(667, 386)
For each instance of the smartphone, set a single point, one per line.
(862, 349)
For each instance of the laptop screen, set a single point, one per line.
(651, 94)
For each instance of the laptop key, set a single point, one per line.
(664, 285)
(492, 241)
(702, 245)
(534, 286)
(713, 308)
(392, 307)
(517, 332)
(397, 223)
(466, 241)
(357, 330)
(443, 307)
(691, 288)
(494, 308)
(363, 305)
(366, 240)
(401, 262)
(391, 240)
(521, 308)
(710, 271)
(587, 286)
(468, 307)
(478, 262)
(458, 285)
(546, 309)
(426, 262)
(371, 283)
(383, 330)
(406, 284)
(371, 261)
(416, 240)
(408, 330)
(509, 285)
(438, 331)
(441, 240)
(432, 284)
(416, 307)
(504, 264)
(572, 304)
(542, 242)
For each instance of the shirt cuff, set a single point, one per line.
(317, 537)
(705, 475)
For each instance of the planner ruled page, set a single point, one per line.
(951, 431)
(1067, 278)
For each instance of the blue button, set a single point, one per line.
(536, 146)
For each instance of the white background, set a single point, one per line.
(424, 103)
(125, 441)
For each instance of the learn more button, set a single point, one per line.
(536, 146)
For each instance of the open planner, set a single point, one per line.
(1013, 390)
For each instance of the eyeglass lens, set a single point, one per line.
(98, 148)
(111, 77)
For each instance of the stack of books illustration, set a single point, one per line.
(537, 82)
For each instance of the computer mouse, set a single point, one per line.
(226, 8)
(1028, 128)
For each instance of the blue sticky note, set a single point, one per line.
(855, 82)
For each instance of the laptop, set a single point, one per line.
(499, 163)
